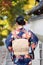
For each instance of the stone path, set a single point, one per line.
(3, 54)
(8, 59)
(5, 57)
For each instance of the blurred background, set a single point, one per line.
(10, 9)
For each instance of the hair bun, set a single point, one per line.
(20, 20)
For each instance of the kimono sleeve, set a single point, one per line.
(8, 40)
(34, 38)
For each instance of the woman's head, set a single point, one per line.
(20, 20)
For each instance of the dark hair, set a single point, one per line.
(20, 20)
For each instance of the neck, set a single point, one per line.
(19, 26)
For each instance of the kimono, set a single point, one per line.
(17, 34)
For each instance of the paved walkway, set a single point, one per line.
(8, 59)
(3, 54)
(5, 57)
